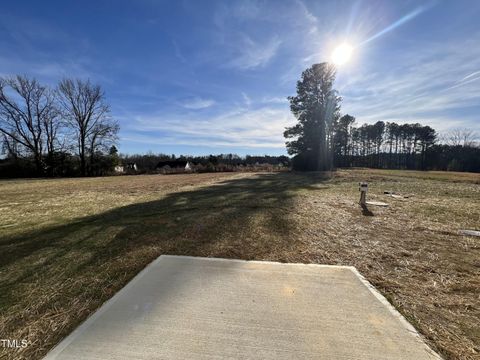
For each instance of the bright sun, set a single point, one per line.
(342, 54)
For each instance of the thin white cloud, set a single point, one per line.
(178, 52)
(235, 44)
(237, 127)
(424, 88)
(311, 19)
(464, 82)
(246, 99)
(198, 103)
(274, 100)
(471, 75)
(173, 140)
(251, 54)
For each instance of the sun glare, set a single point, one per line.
(342, 54)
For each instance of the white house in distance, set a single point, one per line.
(175, 165)
(127, 167)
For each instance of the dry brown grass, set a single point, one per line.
(66, 246)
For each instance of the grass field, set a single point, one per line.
(68, 245)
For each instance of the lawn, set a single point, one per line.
(68, 245)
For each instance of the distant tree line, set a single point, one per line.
(406, 146)
(323, 139)
(147, 163)
(61, 131)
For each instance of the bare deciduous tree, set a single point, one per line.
(460, 137)
(102, 138)
(9, 146)
(28, 117)
(87, 113)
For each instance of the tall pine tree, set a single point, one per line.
(317, 108)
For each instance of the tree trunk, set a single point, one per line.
(83, 168)
(38, 165)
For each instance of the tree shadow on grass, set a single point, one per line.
(88, 260)
(204, 211)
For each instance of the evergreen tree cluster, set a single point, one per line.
(323, 139)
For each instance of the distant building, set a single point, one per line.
(128, 167)
(119, 169)
(131, 166)
(178, 165)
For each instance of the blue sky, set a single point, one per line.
(199, 77)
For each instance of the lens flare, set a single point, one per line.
(404, 19)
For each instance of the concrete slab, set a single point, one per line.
(199, 308)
